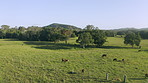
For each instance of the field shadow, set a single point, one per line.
(37, 43)
(11, 39)
(116, 47)
(56, 46)
(145, 50)
(50, 45)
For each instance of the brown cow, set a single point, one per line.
(64, 60)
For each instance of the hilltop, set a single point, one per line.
(65, 26)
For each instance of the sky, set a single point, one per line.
(104, 14)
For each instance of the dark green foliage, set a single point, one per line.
(54, 34)
(121, 33)
(22, 29)
(137, 40)
(73, 35)
(44, 34)
(109, 33)
(144, 34)
(2, 34)
(99, 37)
(12, 33)
(56, 37)
(30, 34)
(132, 39)
(85, 39)
(89, 27)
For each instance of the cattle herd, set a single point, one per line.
(115, 59)
(104, 55)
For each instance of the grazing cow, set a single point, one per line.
(122, 59)
(114, 59)
(146, 75)
(82, 70)
(139, 50)
(64, 60)
(104, 55)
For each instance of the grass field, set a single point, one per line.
(40, 62)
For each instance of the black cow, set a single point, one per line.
(104, 55)
(115, 59)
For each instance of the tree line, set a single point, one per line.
(112, 33)
(90, 35)
(35, 33)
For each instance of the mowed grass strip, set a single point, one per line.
(41, 62)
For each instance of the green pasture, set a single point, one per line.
(40, 62)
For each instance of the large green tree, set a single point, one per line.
(85, 39)
(132, 39)
(99, 37)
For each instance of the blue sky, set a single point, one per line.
(105, 14)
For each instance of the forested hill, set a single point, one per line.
(146, 29)
(56, 25)
(132, 29)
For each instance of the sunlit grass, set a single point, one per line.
(40, 62)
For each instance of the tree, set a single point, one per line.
(85, 39)
(143, 34)
(73, 35)
(89, 27)
(2, 34)
(137, 40)
(5, 27)
(56, 37)
(99, 37)
(110, 33)
(44, 34)
(22, 29)
(66, 34)
(132, 39)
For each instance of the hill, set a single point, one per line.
(144, 29)
(131, 29)
(57, 25)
